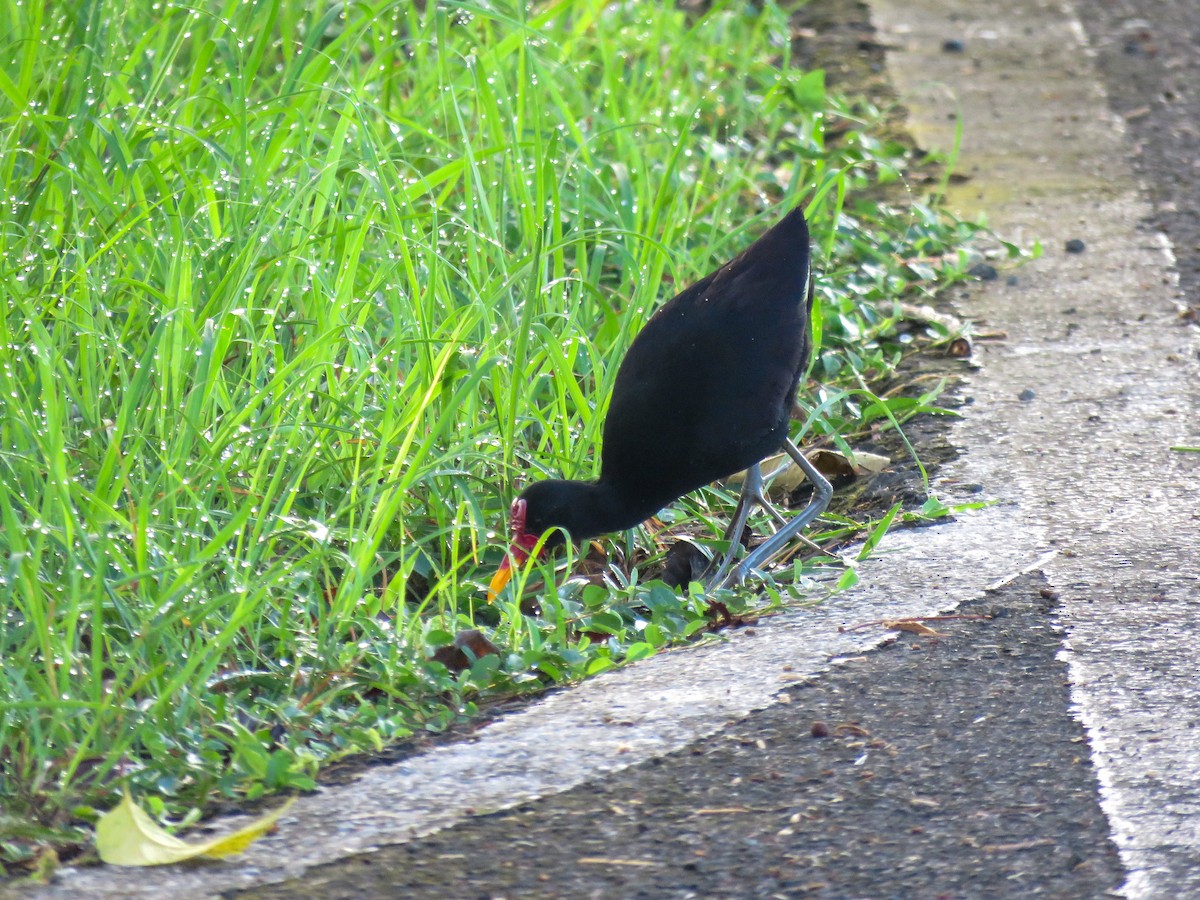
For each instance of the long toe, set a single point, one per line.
(764, 552)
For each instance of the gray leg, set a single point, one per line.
(760, 555)
(751, 492)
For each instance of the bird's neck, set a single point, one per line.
(597, 508)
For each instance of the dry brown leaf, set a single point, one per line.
(912, 626)
(869, 463)
(833, 464)
(915, 313)
(469, 645)
(960, 347)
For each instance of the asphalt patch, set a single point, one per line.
(941, 765)
(1147, 56)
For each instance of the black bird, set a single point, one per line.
(706, 389)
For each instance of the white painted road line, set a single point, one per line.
(1087, 462)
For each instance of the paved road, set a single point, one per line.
(1100, 336)
(1050, 749)
(1149, 57)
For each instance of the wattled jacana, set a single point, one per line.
(706, 389)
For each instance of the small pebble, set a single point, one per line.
(1012, 281)
(1026, 395)
(820, 730)
(953, 45)
(1075, 245)
(983, 272)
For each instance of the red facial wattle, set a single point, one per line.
(522, 546)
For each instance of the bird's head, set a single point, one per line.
(540, 507)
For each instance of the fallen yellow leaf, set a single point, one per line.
(127, 836)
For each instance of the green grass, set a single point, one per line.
(297, 296)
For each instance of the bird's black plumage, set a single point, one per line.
(705, 390)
